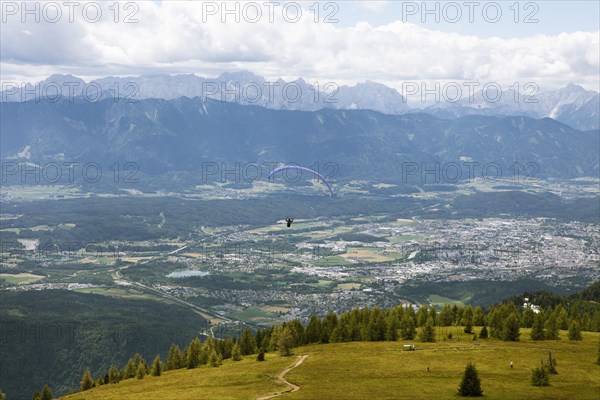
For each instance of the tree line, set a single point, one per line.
(502, 322)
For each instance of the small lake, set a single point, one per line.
(186, 273)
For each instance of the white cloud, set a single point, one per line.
(374, 5)
(171, 37)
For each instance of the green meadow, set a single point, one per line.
(383, 370)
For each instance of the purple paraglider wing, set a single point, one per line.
(297, 167)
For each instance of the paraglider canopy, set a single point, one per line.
(297, 167)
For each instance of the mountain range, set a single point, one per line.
(185, 134)
(572, 105)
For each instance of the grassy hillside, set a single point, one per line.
(381, 370)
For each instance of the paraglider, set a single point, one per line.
(315, 173)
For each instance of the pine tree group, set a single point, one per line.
(502, 322)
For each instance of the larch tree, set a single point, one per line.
(537, 330)
(46, 393)
(247, 342)
(575, 330)
(156, 369)
(236, 355)
(427, 333)
(87, 382)
(285, 342)
(511, 328)
(551, 327)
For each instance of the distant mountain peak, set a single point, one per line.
(572, 104)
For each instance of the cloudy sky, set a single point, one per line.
(551, 43)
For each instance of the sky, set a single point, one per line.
(548, 43)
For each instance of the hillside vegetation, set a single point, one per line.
(382, 370)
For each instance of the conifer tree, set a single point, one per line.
(86, 382)
(36, 395)
(261, 355)
(422, 315)
(427, 333)
(574, 330)
(484, 333)
(586, 322)
(478, 317)
(391, 327)
(313, 330)
(141, 371)
(236, 355)
(561, 317)
(528, 316)
(114, 375)
(467, 319)
(214, 360)
(274, 339)
(433, 314)
(285, 342)
(46, 393)
(470, 384)
(407, 327)
(247, 343)
(510, 331)
(130, 369)
(155, 370)
(446, 317)
(2, 395)
(174, 359)
(551, 364)
(539, 376)
(193, 354)
(551, 327)
(537, 330)
(496, 323)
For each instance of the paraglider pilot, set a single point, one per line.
(289, 222)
